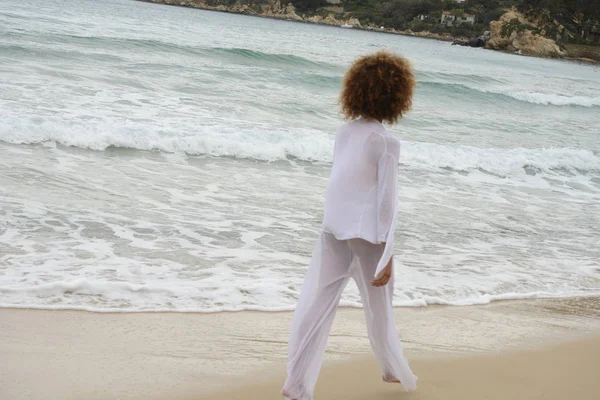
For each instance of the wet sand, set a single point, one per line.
(565, 371)
(515, 350)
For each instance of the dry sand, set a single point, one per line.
(458, 352)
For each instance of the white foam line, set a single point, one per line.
(423, 302)
(306, 145)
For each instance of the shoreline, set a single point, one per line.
(285, 17)
(339, 24)
(66, 355)
(425, 306)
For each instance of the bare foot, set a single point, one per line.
(392, 380)
(286, 395)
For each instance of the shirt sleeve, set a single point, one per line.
(335, 146)
(387, 200)
(387, 192)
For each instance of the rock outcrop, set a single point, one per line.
(290, 13)
(521, 39)
(479, 41)
(354, 22)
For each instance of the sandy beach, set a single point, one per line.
(556, 372)
(542, 349)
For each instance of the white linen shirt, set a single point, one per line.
(361, 197)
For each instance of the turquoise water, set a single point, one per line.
(164, 158)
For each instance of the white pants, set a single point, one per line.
(333, 263)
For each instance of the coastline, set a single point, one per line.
(354, 24)
(76, 354)
(292, 18)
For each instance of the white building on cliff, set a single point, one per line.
(451, 19)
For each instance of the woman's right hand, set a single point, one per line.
(385, 275)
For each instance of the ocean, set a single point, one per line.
(157, 158)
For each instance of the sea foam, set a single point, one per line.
(96, 296)
(305, 145)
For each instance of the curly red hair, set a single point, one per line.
(378, 87)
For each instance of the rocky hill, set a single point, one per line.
(513, 32)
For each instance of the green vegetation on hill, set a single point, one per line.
(569, 21)
(402, 14)
(418, 15)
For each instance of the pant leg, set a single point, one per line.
(379, 314)
(325, 281)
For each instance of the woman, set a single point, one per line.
(358, 226)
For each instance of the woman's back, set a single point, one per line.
(351, 200)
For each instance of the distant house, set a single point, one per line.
(451, 19)
(424, 17)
